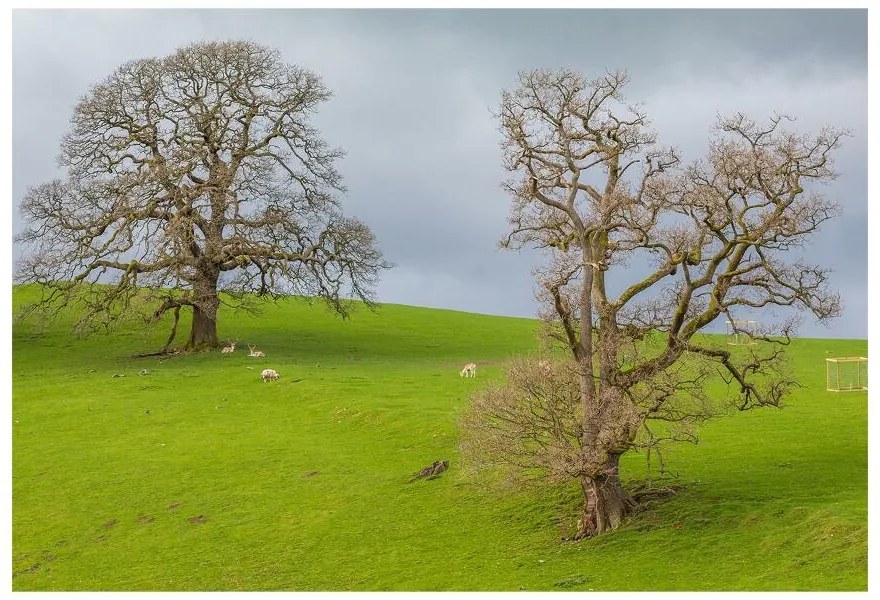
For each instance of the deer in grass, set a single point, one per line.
(269, 375)
(255, 353)
(228, 349)
(469, 370)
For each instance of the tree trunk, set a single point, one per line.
(203, 333)
(605, 502)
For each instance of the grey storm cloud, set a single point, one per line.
(414, 96)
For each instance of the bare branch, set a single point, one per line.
(184, 169)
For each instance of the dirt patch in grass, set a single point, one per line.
(31, 569)
(110, 524)
(574, 581)
(197, 519)
(144, 519)
(173, 506)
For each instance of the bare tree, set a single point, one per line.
(591, 187)
(190, 174)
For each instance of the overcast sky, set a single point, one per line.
(414, 97)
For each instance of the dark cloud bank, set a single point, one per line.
(414, 97)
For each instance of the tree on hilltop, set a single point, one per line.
(192, 174)
(591, 187)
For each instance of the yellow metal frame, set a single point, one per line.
(845, 359)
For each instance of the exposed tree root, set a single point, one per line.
(644, 496)
(162, 352)
(634, 502)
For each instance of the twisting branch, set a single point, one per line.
(200, 172)
(590, 186)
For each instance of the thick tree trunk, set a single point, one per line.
(605, 502)
(203, 333)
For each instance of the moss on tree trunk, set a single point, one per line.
(206, 302)
(203, 333)
(606, 503)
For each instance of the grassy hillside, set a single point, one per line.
(198, 476)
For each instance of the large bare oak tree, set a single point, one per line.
(590, 186)
(190, 174)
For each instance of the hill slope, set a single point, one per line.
(197, 476)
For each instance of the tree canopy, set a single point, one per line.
(190, 174)
(591, 186)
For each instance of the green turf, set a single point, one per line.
(302, 483)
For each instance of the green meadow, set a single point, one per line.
(198, 476)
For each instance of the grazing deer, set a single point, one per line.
(255, 353)
(228, 349)
(469, 370)
(269, 375)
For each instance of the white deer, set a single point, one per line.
(228, 349)
(469, 370)
(269, 375)
(255, 353)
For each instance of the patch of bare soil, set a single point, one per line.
(31, 568)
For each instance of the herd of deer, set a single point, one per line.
(267, 374)
(469, 370)
(231, 348)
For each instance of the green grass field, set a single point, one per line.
(198, 476)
